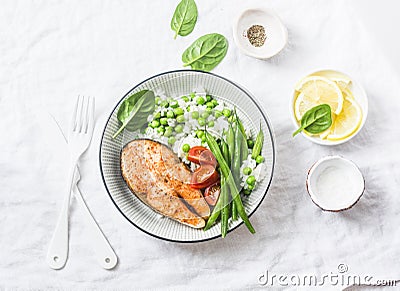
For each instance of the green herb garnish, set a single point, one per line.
(206, 52)
(316, 120)
(134, 111)
(184, 18)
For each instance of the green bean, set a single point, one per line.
(230, 140)
(258, 144)
(244, 150)
(225, 151)
(225, 207)
(234, 211)
(237, 159)
(229, 180)
(215, 214)
(240, 125)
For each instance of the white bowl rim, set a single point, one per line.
(258, 105)
(236, 33)
(318, 140)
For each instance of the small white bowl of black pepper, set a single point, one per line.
(260, 33)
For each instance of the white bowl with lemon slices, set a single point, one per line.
(347, 99)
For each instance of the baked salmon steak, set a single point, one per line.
(154, 173)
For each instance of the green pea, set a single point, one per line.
(173, 104)
(250, 187)
(200, 100)
(192, 95)
(247, 171)
(186, 148)
(246, 191)
(203, 139)
(161, 130)
(259, 159)
(188, 109)
(164, 103)
(180, 119)
(200, 133)
(201, 121)
(157, 115)
(157, 100)
(231, 119)
(195, 114)
(164, 120)
(178, 111)
(208, 98)
(171, 140)
(210, 123)
(170, 114)
(217, 114)
(226, 112)
(185, 98)
(209, 104)
(155, 123)
(251, 180)
(205, 114)
(214, 102)
(168, 131)
(179, 128)
(250, 143)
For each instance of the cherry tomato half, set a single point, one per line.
(204, 176)
(212, 193)
(201, 155)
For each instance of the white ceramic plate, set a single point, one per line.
(359, 95)
(175, 84)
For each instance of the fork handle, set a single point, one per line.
(105, 255)
(57, 254)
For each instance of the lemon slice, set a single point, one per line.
(347, 122)
(340, 79)
(316, 90)
(347, 94)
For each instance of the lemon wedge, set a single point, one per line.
(347, 122)
(316, 90)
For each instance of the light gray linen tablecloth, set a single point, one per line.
(51, 51)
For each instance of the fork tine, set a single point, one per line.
(91, 115)
(73, 119)
(79, 116)
(85, 116)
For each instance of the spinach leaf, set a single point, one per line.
(316, 120)
(134, 111)
(184, 18)
(206, 52)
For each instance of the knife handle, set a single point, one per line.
(104, 253)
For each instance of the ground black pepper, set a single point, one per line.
(256, 35)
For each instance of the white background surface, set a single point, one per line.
(52, 51)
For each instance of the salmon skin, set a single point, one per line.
(154, 173)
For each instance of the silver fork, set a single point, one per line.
(79, 137)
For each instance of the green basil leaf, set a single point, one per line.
(134, 110)
(316, 120)
(206, 52)
(184, 18)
